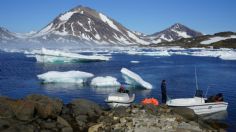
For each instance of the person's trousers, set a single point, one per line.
(164, 97)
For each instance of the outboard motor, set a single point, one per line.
(199, 93)
(216, 98)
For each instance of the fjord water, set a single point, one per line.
(18, 77)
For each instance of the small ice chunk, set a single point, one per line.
(65, 77)
(135, 62)
(134, 79)
(104, 81)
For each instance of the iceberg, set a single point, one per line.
(105, 82)
(45, 55)
(134, 79)
(53, 59)
(77, 77)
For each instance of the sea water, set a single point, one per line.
(18, 77)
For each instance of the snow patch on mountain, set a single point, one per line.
(164, 38)
(216, 39)
(138, 40)
(181, 34)
(108, 21)
(66, 16)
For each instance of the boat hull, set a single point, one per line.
(116, 104)
(119, 99)
(208, 108)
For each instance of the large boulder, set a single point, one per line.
(21, 109)
(185, 112)
(85, 107)
(45, 106)
(83, 112)
(5, 108)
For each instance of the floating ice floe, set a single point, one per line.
(224, 54)
(134, 79)
(45, 55)
(78, 77)
(150, 53)
(105, 82)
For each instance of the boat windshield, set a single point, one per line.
(199, 93)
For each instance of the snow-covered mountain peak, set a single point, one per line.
(87, 26)
(6, 36)
(83, 24)
(174, 32)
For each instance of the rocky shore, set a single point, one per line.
(39, 113)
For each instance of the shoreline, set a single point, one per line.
(42, 113)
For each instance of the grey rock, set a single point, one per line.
(85, 107)
(185, 112)
(83, 118)
(48, 125)
(45, 106)
(62, 121)
(95, 127)
(123, 120)
(24, 110)
(120, 112)
(4, 124)
(67, 129)
(20, 128)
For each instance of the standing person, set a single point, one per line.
(163, 91)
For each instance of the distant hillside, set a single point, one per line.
(218, 40)
(6, 36)
(173, 33)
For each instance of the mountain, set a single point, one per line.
(83, 24)
(218, 40)
(6, 36)
(173, 33)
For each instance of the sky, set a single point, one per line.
(147, 16)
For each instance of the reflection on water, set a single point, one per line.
(104, 90)
(61, 87)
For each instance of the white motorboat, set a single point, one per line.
(199, 104)
(119, 99)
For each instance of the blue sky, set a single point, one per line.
(148, 16)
